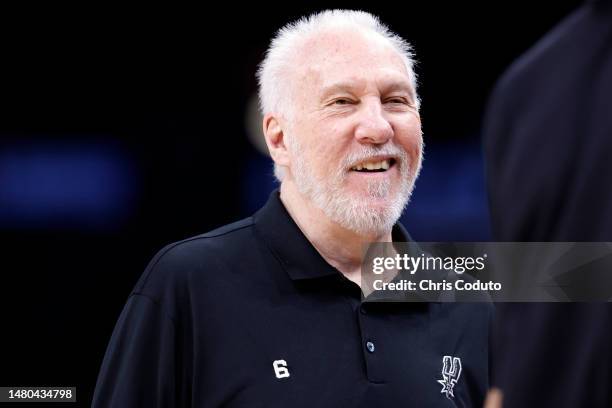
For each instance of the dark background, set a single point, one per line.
(124, 130)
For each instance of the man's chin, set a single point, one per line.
(360, 209)
(374, 199)
(371, 215)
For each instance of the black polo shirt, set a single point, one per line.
(250, 315)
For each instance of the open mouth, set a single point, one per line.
(374, 166)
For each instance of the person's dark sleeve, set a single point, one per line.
(139, 366)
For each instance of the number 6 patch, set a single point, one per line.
(280, 369)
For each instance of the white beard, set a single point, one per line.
(330, 194)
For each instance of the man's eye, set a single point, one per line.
(397, 100)
(342, 101)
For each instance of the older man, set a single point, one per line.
(268, 311)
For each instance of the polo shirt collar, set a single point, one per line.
(291, 247)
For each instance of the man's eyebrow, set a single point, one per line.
(337, 88)
(386, 87)
(397, 86)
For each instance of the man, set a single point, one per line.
(267, 311)
(547, 138)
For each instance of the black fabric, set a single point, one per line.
(212, 313)
(547, 139)
(548, 136)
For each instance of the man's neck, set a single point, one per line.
(340, 247)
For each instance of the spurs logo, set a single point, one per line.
(451, 370)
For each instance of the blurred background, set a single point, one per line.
(124, 130)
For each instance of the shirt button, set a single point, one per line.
(370, 346)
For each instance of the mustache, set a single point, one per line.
(368, 152)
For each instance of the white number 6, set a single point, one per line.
(280, 369)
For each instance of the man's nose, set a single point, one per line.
(373, 127)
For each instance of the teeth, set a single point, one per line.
(383, 164)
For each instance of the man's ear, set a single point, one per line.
(275, 139)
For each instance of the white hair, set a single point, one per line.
(280, 58)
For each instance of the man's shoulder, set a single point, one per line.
(228, 230)
(209, 243)
(203, 254)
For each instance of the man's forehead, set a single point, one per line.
(341, 39)
(345, 43)
(339, 55)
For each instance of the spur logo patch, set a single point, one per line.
(451, 371)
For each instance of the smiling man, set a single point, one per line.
(268, 311)
(345, 135)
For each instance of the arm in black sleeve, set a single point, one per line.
(139, 366)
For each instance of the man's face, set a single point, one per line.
(355, 133)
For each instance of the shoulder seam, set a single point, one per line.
(210, 235)
(168, 247)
